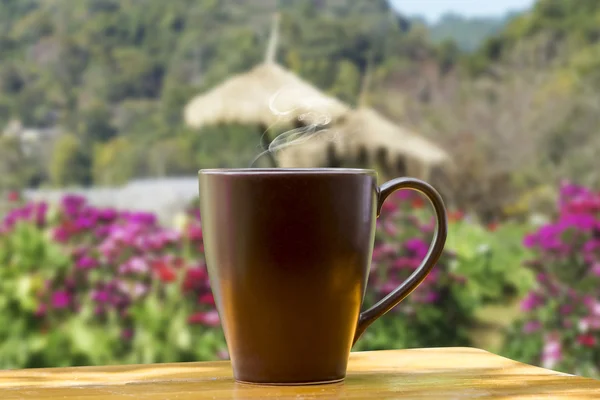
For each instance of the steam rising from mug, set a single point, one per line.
(313, 122)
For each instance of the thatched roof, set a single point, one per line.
(366, 131)
(265, 95)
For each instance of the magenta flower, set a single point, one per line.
(431, 297)
(209, 318)
(101, 296)
(127, 333)
(531, 302)
(406, 262)
(389, 207)
(61, 299)
(41, 310)
(86, 262)
(532, 326)
(107, 214)
(566, 309)
(418, 247)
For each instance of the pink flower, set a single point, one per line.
(127, 334)
(566, 309)
(135, 265)
(587, 323)
(433, 276)
(552, 352)
(194, 232)
(41, 310)
(206, 298)
(223, 354)
(13, 196)
(101, 296)
(532, 326)
(405, 262)
(417, 246)
(388, 287)
(388, 207)
(431, 297)
(390, 228)
(383, 250)
(195, 279)
(108, 249)
(86, 262)
(209, 318)
(61, 299)
(531, 302)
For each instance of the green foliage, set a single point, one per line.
(467, 33)
(69, 164)
(103, 69)
(114, 162)
(18, 170)
(21, 278)
(573, 25)
(493, 260)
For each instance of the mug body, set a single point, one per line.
(288, 253)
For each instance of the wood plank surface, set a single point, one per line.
(444, 373)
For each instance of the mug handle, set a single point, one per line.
(436, 248)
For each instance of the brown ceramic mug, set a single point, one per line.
(288, 254)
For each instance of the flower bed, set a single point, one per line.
(104, 285)
(560, 328)
(81, 285)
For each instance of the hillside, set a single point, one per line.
(468, 33)
(109, 78)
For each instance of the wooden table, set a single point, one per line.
(448, 373)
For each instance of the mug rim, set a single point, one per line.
(286, 171)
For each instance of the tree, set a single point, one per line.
(115, 162)
(69, 164)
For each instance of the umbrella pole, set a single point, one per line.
(265, 143)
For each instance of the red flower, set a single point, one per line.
(388, 207)
(455, 216)
(209, 318)
(492, 227)
(194, 279)
(194, 232)
(206, 298)
(418, 202)
(165, 273)
(13, 196)
(586, 340)
(178, 262)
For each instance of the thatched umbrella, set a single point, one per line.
(266, 95)
(368, 137)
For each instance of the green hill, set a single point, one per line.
(113, 75)
(468, 33)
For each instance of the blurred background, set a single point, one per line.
(108, 109)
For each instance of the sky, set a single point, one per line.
(434, 9)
